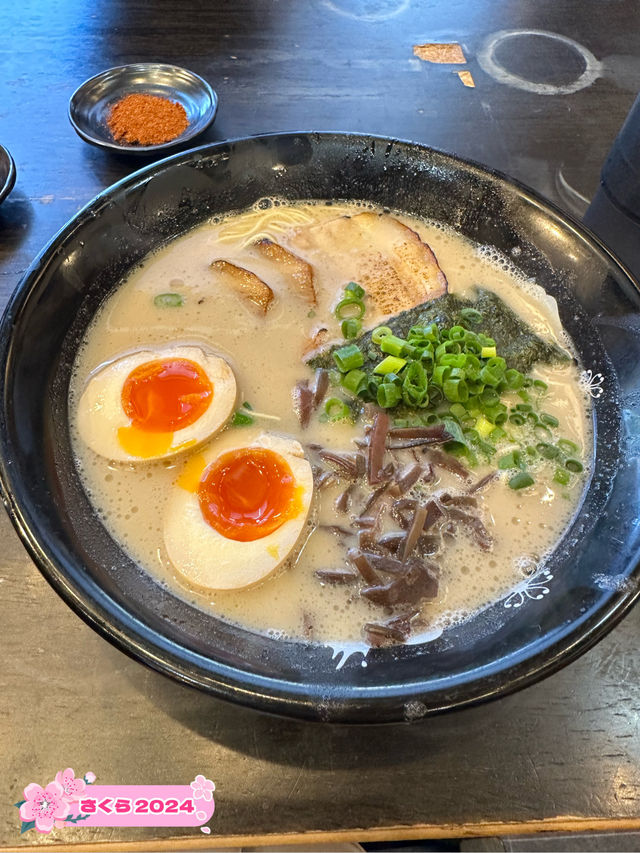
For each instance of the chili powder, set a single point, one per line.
(146, 119)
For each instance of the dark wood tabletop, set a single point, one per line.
(553, 81)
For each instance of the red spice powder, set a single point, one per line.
(146, 120)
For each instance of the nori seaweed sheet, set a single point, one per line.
(515, 341)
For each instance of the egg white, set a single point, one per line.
(101, 415)
(208, 560)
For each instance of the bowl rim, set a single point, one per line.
(10, 180)
(271, 694)
(190, 133)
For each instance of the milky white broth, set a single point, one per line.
(265, 354)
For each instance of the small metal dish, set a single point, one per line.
(91, 103)
(7, 173)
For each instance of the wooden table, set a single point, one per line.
(562, 754)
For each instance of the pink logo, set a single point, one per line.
(68, 801)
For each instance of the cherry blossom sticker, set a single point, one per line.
(69, 801)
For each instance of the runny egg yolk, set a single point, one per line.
(248, 493)
(166, 395)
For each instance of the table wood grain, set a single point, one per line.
(562, 754)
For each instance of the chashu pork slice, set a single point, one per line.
(245, 283)
(298, 273)
(395, 267)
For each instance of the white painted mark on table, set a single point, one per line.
(489, 64)
(365, 10)
(574, 200)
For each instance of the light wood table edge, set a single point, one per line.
(567, 823)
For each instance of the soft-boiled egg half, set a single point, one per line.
(156, 402)
(236, 514)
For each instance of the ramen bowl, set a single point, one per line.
(544, 622)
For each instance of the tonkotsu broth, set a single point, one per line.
(265, 354)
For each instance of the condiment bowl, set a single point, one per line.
(91, 103)
(7, 173)
(548, 619)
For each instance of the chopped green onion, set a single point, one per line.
(453, 359)
(336, 409)
(574, 465)
(388, 395)
(510, 460)
(521, 480)
(517, 418)
(241, 419)
(349, 357)
(351, 327)
(488, 352)
(168, 300)
(414, 385)
(489, 397)
(484, 426)
(354, 288)
(561, 476)
(548, 451)
(496, 414)
(549, 420)
(392, 345)
(567, 446)
(247, 405)
(350, 307)
(542, 431)
(514, 379)
(390, 364)
(524, 407)
(381, 332)
(455, 390)
(355, 381)
(540, 386)
(458, 411)
(471, 315)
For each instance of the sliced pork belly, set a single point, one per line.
(395, 267)
(299, 272)
(246, 283)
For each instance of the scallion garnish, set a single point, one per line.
(381, 332)
(354, 288)
(471, 316)
(390, 364)
(393, 345)
(168, 300)
(521, 480)
(549, 420)
(348, 307)
(348, 358)
(351, 327)
(241, 419)
(336, 410)
(388, 395)
(354, 381)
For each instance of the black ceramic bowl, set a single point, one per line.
(7, 173)
(592, 578)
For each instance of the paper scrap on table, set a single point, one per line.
(467, 79)
(441, 53)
